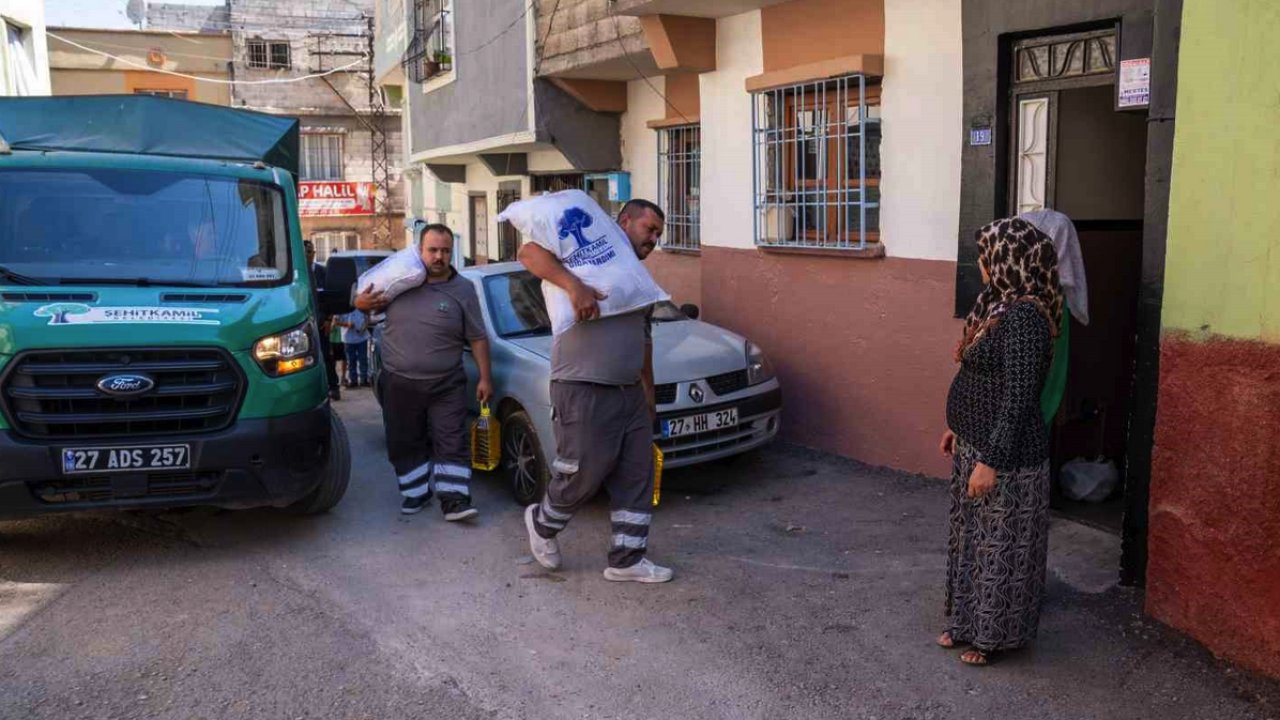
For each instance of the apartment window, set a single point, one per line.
(334, 241)
(175, 94)
(540, 184)
(269, 54)
(679, 172)
(17, 61)
(430, 52)
(817, 165)
(321, 156)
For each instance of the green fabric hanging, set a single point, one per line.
(1055, 383)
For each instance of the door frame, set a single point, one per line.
(472, 197)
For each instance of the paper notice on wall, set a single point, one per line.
(1135, 83)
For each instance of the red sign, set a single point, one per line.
(321, 199)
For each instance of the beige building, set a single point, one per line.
(148, 62)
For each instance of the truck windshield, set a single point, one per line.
(144, 227)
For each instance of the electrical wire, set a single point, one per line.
(272, 81)
(625, 54)
(98, 45)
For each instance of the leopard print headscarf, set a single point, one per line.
(1023, 266)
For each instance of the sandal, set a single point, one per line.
(946, 642)
(976, 658)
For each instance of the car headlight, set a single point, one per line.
(759, 369)
(286, 353)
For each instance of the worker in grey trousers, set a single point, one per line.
(603, 411)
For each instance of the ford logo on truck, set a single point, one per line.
(125, 385)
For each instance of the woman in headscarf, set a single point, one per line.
(999, 444)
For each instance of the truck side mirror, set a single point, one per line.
(340, 278)
(690, 310)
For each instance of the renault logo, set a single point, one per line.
(125, 384)
(696, 394)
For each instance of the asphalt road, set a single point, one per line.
(807, 587)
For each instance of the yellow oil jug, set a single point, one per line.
(657, 474)
(486, 441)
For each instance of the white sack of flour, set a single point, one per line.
(591, 245)
(400, 272)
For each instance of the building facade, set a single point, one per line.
(1215, 516)
(83, 68)
(24, 55)
(311, 60)
(825, 165)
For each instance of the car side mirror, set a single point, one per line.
(691, 311)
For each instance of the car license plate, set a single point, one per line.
(706, 422)
(77, 461)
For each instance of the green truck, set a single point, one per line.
(158, 321)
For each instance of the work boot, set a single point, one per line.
(644, 571)
(457, 510)
(545, 550)
(414, 505)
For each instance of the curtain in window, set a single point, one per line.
(23, 78)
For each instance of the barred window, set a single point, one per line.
(430, 50)
(321, 156)
(270, 55)
(817, 165)
(679, 173)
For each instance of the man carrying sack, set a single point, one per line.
(603, 407)
(423, 385)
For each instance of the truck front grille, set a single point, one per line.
(53, 394)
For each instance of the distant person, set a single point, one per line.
(422, 383)
(325, 321)
(355, 336)
(999, 445)
(603, 412)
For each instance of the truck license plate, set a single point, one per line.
(77, 461)
(706, 422)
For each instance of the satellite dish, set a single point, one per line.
(136, 11)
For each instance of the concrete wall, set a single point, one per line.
(182, 16)
(1215, 489)
(488, 96)
(76, 71)
(28, 15)
(923, 129)
(586, 34)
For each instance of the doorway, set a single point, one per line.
(478, 219)
(508, 236)
(1071, 150)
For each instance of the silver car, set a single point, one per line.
(717, 394)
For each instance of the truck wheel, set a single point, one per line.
(522, 459)
(337, 473)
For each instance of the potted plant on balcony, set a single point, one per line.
(443, 60)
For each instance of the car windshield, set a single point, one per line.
(519, 310)
(143, 227)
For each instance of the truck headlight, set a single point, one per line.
(759, 369)
(286, 353)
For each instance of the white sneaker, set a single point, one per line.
(644, 571)
(546, 552)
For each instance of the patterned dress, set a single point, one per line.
(998, 543)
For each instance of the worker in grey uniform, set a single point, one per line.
(423, 385)
(603, 411)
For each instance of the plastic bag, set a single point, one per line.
(400, 272)
(591, 245)
(1088, 480)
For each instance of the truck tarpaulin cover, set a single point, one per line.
(147, 125)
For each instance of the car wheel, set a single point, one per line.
(522, 459)
(337, 473)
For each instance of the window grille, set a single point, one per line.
(175, 94)
(679, 173)
(817, 165)
(268, 55)
(430, 51)
(321, 157)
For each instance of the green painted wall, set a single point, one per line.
(1222, 274)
